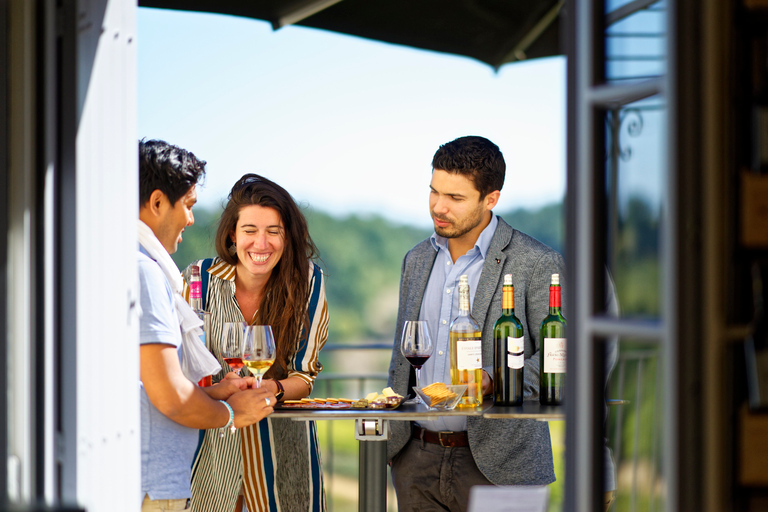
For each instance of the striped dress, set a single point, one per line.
(277, 461)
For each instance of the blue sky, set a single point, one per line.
(345, 124)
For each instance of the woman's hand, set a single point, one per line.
(271, 385)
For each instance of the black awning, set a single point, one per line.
(491, 31)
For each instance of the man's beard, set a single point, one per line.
(458, 230)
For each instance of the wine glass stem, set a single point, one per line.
(418, 377)
(258, 381)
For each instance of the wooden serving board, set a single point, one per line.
(332, 404)
(315, 405)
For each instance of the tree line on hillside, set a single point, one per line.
(391, 240)
(361, 257)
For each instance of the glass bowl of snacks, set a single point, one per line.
(441, 396)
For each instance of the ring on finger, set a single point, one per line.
(268, 401)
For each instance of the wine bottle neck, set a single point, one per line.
(554, 299)
(508, 300)
(463, 300)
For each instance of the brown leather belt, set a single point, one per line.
(444, 439)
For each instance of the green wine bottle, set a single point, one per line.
(509, 350)
(552, 353)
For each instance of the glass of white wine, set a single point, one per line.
(259, 350)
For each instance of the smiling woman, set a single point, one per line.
(258, 240)
(265, 275)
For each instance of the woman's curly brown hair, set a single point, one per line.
(284, 305)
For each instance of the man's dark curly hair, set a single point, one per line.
(476, 158)
(167, 168)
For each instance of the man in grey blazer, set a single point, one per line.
(434, 463)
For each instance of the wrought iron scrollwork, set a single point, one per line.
(618, 121)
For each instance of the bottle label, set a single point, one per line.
(515, 352)
(469, 355)
(554, 355)
(196, 290)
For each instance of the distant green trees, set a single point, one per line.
(362, 257)
(636, 259)
(197, 240)
(546, 224)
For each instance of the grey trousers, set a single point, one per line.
(428, 477)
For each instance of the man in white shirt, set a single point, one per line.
(173, 407)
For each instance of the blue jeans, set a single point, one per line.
(428, 477)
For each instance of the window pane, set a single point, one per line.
(635, 40)
(633, 430)
(635, 180)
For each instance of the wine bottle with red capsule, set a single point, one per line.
(552, 353)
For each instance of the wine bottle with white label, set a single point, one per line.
(509, 350)
(467, 351)
(552, 353)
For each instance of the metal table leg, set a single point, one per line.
(372, 435)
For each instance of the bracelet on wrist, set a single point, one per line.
(280, 390)
(231, 421)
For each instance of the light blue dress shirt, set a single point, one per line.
(441, 305)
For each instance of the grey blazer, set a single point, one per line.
(508, 452)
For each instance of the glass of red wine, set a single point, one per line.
(232, 339)
(416, 346)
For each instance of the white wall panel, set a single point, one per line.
(108, 443)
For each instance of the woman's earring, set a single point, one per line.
(233, 249)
